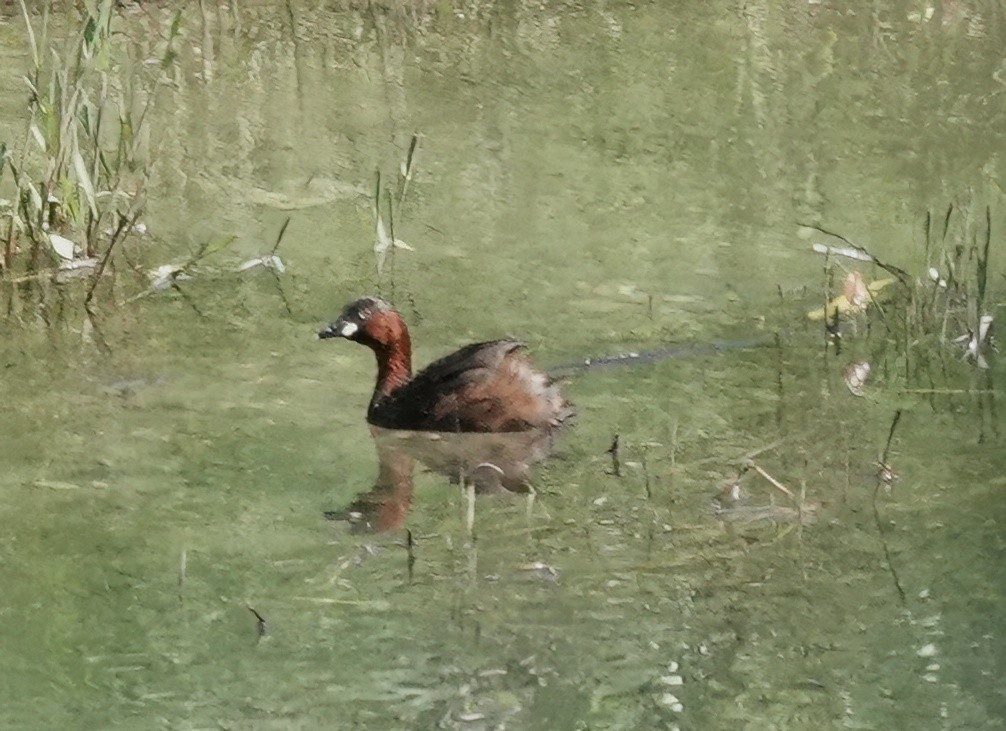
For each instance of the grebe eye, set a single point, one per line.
(348, 329)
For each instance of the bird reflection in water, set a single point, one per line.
(488, 462)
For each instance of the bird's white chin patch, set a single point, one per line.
(348, 329)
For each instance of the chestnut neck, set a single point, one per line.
(388, 337)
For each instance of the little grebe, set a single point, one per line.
(484, 387)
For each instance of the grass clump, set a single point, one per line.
(74, 188)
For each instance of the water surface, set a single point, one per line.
(596, 179)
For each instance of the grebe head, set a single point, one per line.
(357, 318)
(373, 322)
(368, 320)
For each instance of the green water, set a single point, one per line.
(593, 178)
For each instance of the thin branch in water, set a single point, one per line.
(183, 561)
(890, 436)
(410, 552)
(983, 261)
(123, 223)
(96, 333)
(927, 233)
(780, 391)
(282, 292)
(885, 475)
(408, 168)
(260, 624)
(901, 275)
(185, 296)
(274, 273)
(646, 478)
(946, 221)
(279, 238)
(615, 451)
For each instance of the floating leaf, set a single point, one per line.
(855, 375)
(63, 247)
(271, 262)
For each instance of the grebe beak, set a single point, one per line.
(338, 329)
